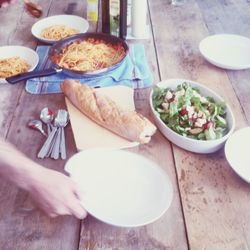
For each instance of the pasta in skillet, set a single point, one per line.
(12, 66)
(90, 55)
(57, 32)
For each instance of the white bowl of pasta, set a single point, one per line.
(55, 28)
(16, 60)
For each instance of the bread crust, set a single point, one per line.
(104, 111)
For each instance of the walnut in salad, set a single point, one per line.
(190, 114)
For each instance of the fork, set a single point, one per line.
(57, 139)
(60, 147)
(63, 122)
(49, 144)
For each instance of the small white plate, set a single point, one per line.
(237, 152)
(119, 187)
(72, 21)
(227, 51)
(29, 55)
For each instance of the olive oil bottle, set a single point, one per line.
(114, 17)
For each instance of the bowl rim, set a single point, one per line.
(180, 80)
(236, 168)
(73, 171)
(22, 49)
(221, 64)
(36, 25)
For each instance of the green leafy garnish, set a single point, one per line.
(190, 114)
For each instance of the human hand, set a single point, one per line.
(56, 194)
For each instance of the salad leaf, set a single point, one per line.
(189, 113)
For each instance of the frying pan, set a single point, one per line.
(56, 49)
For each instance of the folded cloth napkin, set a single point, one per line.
(133, 72)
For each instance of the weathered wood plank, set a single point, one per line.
(22, 225)
(166, 233)
(231, 17)
(9, 94)
(27, 226)
(169, 231)
(214, 199)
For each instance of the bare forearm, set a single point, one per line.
(55, 193)
(15, 166)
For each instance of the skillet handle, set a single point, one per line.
(32, 74)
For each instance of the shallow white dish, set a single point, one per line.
(237, 152)
(193, 145)
(72, 21)
(227, 51)
(29, 55)
(120, 188)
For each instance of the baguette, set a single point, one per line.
(105, 112)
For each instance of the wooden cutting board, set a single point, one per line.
(88, 134)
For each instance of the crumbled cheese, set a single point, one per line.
(168, 96)
(200, 122)
(190, 110)
(195, 115)
(165, 106)
(201, 114)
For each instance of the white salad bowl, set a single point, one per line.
(193, 145)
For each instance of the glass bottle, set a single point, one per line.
(92, 10)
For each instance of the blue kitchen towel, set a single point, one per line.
(134, 72)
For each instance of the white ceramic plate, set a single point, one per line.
(120, 188)
(227, 51)
(72, 21)
(29, 55)
(237, 152)
(193, 145)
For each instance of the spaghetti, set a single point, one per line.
(90, 55)
(12, 66)
(57, 32)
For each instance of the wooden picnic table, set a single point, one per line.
(210, 209)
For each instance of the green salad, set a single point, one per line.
(190, 114)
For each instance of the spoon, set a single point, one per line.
(37, 124)
(47, 116)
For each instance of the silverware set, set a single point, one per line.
(54, 146)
